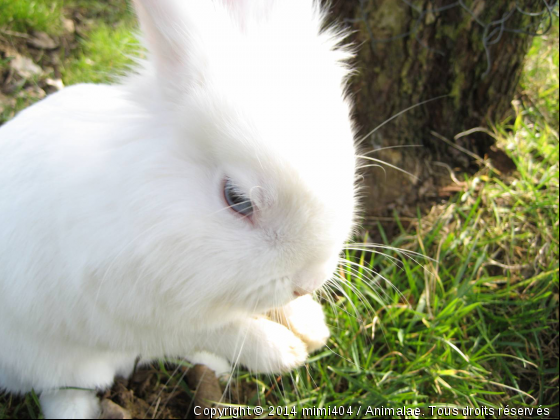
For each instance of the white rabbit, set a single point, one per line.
(164, 215)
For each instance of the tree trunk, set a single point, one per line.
(410, 51)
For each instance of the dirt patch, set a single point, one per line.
(172, 393)
(31, 64)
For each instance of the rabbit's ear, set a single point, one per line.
(167, 32)
(156, 17)
(244, 10)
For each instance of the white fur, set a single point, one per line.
(70, 404)
(219, 365)
(115, 240)
(305, 318)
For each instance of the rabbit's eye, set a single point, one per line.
(236, 201)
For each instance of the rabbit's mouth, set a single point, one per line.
(299, 291)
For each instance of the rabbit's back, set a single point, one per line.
(64, 168)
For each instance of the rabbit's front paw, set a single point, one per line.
(305, 318)
(275, 349)
(70, 404)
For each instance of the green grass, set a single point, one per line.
(539, 84)
(477, 328)
(46, 15)
(25, 15)
(106, 49)
(105, 53)
(99, 50)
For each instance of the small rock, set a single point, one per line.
(25, 67)
(68, 25)
(204, 381)
(55, 83)
(42, 41)
(110, 410)
(33, 92)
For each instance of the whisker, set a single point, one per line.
(377, 274)
(392, 248)
(354, 289)
(398, 263)
(328, 297)
(373, 286)
(342, 357)
(399, 114)
(358, 316)
(363, 299)
(337, 308)
(390, 166)
(424, 267)
(393, 147)
(373, 165)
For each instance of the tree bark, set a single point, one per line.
(410, 51)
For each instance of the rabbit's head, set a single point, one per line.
(261, 197)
